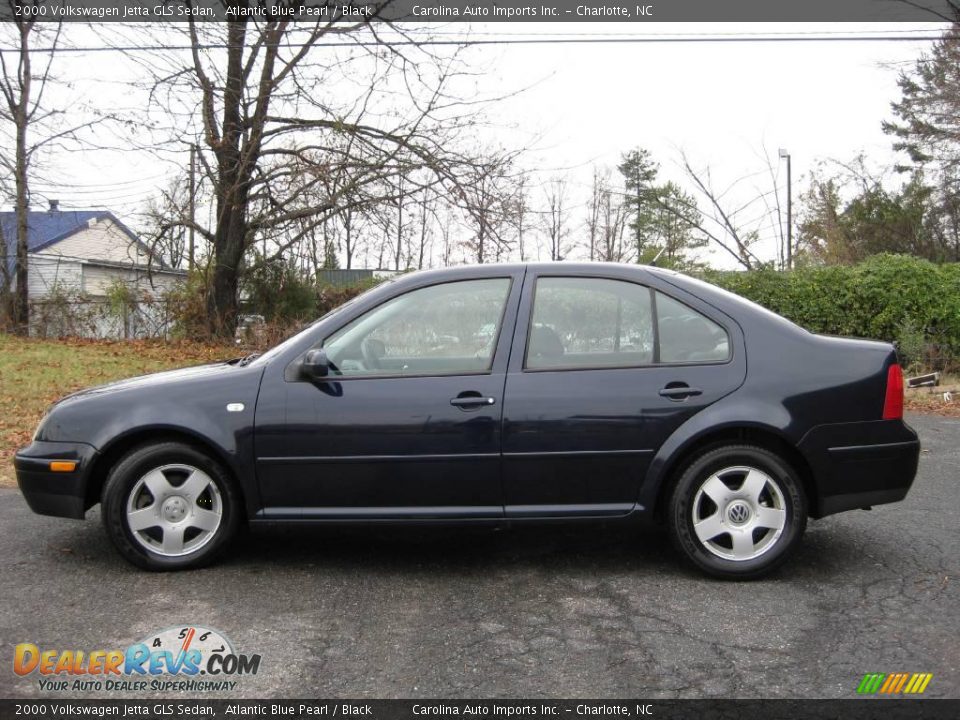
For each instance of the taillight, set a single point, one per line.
(893, 402)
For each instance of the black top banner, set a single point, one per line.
(635, 11)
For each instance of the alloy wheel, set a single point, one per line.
(739, 513)
(174, 510)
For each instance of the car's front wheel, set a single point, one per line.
(737, 511)
(169, 506)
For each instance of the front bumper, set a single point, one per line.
(857, 465)
(62, 494)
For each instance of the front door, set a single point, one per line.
(609, 370)
(408, 422)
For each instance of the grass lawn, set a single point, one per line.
(34, 373)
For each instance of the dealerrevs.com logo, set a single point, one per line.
(178, 659)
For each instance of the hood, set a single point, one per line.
(165, 377)
(174, 397)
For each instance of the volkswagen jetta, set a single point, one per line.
(496, 394)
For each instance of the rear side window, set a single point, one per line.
(581, 323)
(590, 322)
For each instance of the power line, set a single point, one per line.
(639, 40)
(739, 33)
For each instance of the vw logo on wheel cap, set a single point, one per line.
(738, 513)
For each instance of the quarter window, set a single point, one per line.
(688, 336)
(451, 328)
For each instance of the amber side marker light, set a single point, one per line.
(62, 466)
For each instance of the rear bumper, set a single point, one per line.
(62, 494)
(857, 465)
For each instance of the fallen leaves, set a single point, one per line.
(35, 373)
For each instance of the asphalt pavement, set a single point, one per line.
(557, 611)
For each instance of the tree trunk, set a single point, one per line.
(348, 238)
(21, 301)
(230, 237)
(399, 248)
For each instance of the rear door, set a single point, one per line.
(603, 370)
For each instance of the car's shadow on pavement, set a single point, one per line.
(600, 546)
(831, 551)
(590, 547)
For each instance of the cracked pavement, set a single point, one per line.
(550, 611)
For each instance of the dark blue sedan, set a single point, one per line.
(496, 394)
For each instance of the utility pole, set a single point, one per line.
(193, 189)
(784, 155)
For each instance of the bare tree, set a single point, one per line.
(283, 112)
(165, 238)
(23, 95)
(607, 219)
(30, 123)
(425, 238)
(593, 214)
(485, 199)
(446, 236)
(519, 211)
(554, 219)
(720, 224)
(349, 217)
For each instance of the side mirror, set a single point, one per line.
(315, 364)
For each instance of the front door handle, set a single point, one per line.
(472, 401)
(680, 391)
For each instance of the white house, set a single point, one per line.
(76, 260)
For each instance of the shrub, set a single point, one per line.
(896, 298)
(278, 291)
(330, 297)
(188, 307)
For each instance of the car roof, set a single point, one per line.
(722, 299)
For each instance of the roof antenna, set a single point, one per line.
(653, 263)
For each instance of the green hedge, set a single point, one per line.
(897, 298)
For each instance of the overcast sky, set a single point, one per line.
(723, 104)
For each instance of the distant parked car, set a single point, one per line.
(607, 392)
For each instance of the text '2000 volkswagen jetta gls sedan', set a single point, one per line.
(500, 393)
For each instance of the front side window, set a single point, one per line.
(444, 329)
(590, 322)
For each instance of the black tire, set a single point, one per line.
(738, 512)
(146, 548)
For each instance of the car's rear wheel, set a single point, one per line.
(737, 511)
(169, 506)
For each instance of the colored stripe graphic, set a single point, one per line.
(894, 683)
(870, 683)
(919, 681)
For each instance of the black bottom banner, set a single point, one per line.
(865, 709)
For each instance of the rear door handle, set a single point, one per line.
(472, 401)
(679, 392)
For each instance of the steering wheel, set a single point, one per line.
(372, 350)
